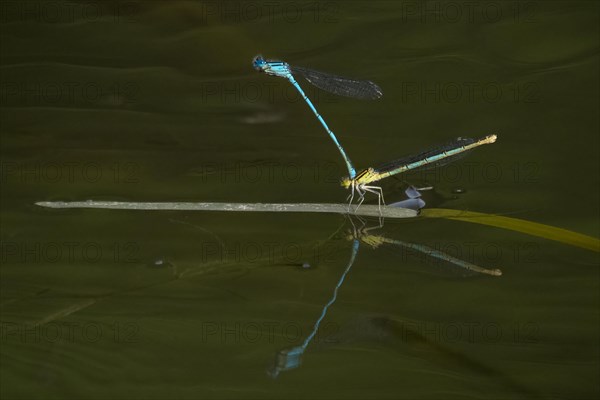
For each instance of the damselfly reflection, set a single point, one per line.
(291, 358)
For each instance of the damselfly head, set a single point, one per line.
(259, 63)
(346, 183)
(350, 234)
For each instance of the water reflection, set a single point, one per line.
(291, 358)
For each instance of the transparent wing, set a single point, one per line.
(339, 85)
(390, 166)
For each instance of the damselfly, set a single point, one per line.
(331, 83)
(362, 182)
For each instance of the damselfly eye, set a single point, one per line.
(258, 62)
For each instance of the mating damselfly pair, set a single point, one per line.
(362, 182)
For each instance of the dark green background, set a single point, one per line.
(157, 101)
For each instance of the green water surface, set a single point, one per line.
(157, 101)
